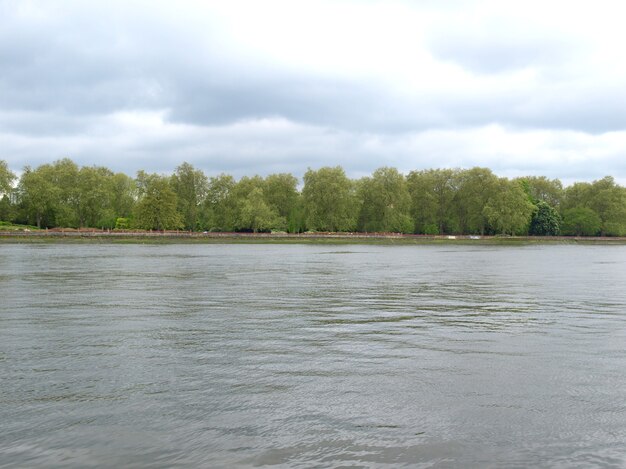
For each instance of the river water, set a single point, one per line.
(184, 355)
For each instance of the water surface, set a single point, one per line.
(312, 356)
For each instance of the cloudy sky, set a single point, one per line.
(256, 87)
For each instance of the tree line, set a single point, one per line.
(433, 201)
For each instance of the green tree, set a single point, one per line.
(191, 187)
(545, 221)
(296, 220)
(329, 200)
(6, 188)
(509, 211)
(476, 187)
(64, 176)
(122, 196)
(581, 221)
(432, 194)
(92, 196)
(6, 178)
(385, 202)
(281, 193)
(576, 195)
(157, 206)
(605, 198)
(220, 207)
(256, 214)
(38, 196)
(540, 188)
(608, 200)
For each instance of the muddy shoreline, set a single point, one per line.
(384, 238)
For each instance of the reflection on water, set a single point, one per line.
(248, 355)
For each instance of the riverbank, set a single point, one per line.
(70, 235)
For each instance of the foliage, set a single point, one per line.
(605, 198)
(545, 221)
(191, 188)
(157, 207)
(257, 215)
(476, 187)
(581, 221)
(542, 189)
(329, 200)
(220, 206)
(122, 223)
(432, 194)
(6, 178)
(434, 201)
(385, 203)
(508, 210)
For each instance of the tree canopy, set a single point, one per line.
(431, 201)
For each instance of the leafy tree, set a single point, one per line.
(608, 200)
(220, 207)
(64, 176)
(6, 178)
(281, 193)
(605, 198)
(476, 187)
(191, 187)
(509, 211)
(92, 196)
(540, 188)
(6, 187)
(576, 195)
(432, 194)
(122, 196)
(296, 218)
(581, 221)
(38, 196)
(385, 202)
(329, 200)
(545, 221)
(156, 209)
(256, 214)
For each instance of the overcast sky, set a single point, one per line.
(257, 87)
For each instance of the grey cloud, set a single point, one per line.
(63, 74)
(86, 63)
(493, 55)
(494, 46)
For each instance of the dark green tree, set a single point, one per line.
(545, 221)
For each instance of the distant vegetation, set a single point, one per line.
(434, 201)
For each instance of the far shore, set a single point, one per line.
(91, 235)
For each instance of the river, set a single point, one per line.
(224, 355)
